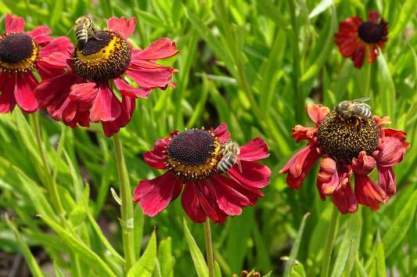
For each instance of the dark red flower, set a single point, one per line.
(191, 159)
(22, 53)
(347, 146)
(357, 39)
(103, 79)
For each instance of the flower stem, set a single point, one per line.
(331, 236)
(127, 220)
(209, 248)
(50, 181)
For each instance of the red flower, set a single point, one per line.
(20, 54)
(347, 146)
(357, 39)
(191, 159)
(85, 92)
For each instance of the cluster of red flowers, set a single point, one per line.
(100, 82)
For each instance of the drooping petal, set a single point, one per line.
(300, 133)
(41, 35)
(328, 179)
(154, 195)
(299, 165)
(161, 49)
(191, 204)
(253, 174)
(123, 26)
(105, 107)
(14, 24)
(127, 108)
(128, 90)
(24, 92)
(156, 158)
(345, 200)
(364, 164)
(222, 133)
(7, 100)
(367, 193)
(317, 113)
(391, 151)
(84, 93)
(208, 200)
(387, 180)
(254, 150)
(359, 56)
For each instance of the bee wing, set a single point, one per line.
(239, 165)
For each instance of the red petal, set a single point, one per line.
(373, 16)
(127, 108)
(387, 180)
(317, 113)
(254, 150)
(345, 200)
(128, 90)
(228, 194)
(391, 151)
(40, 35)
(24, 92)
(364, 164)
(208, 200)
(328, 178)
(155, 195)
(157, 156)
(299, 165)
(84, 93)
(253, 174)
(300, 133)
(7, 100)
(148, 75)
(191, 204)
(123, 26)
(359, 56)
(367, 193)
(61, 44)
(160, 49)
(222, 133)
(105, 107)
(14, 24)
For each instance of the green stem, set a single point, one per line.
(299, 99)
(127, 220)
(209, 248)
(51, 185)
(331, 236)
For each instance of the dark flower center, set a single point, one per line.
(15, 47)
(191, 147)
(194, 154)
(344, 138)
(371, 32)
(102, 58)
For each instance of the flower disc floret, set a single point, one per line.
(343, 139)
(104, 58)
(194, 153)
(18, 52)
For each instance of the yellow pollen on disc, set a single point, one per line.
(24, 65)
(100, 56)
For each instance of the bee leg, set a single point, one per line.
(93, 34)
(239, 165)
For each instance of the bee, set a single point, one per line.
(355, 109)
(230, 151)
(84, 30)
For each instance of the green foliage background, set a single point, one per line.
(253, 64)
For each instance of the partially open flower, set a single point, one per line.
(21, 54)
(359, 39)
(103, 79)
(191, 160)
(347, 146)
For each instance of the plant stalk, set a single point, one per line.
(331, 236)
(209, 247)
(127, 220)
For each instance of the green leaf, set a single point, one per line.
(321, 7)
(145, 266)
(165, 257)
(349, 246)
(387, 86)
(408, 10)
(294, 250)
(399, 228)
(196, 255)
